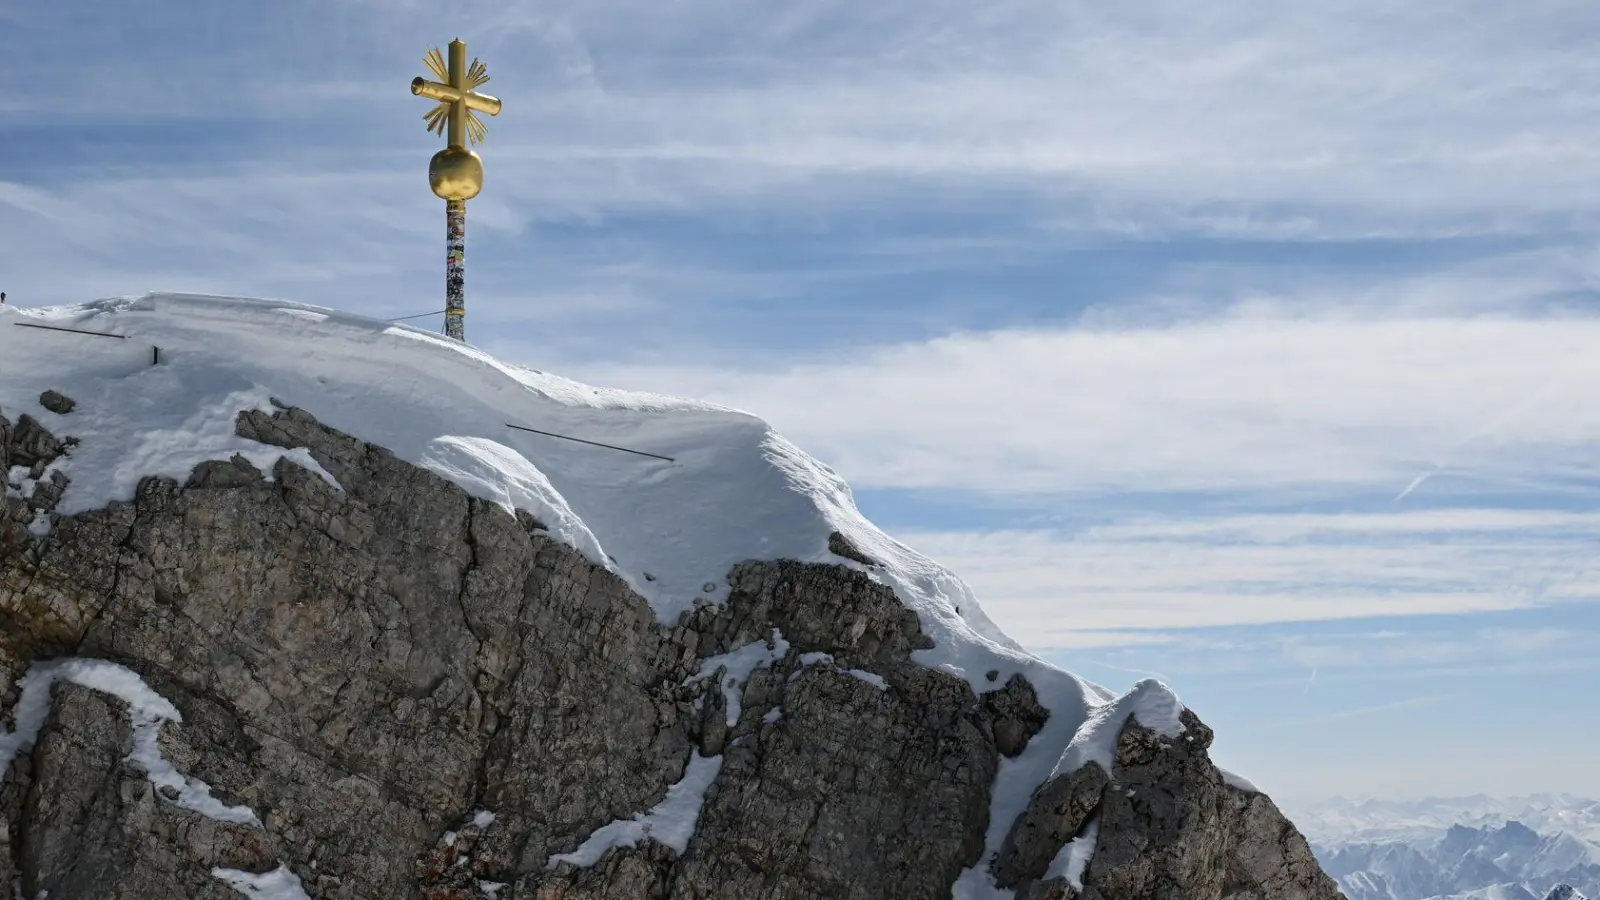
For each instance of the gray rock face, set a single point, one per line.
(1170, 828)
(370, 665)
(1058, 810)
(57, 402)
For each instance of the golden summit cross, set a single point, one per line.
(456, 173)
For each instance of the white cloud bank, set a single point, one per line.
(1063, 590)
(1411, 431)
(1241, 403)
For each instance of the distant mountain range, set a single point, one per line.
(1516, 892)
(1464, 848)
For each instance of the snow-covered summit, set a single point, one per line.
(734, 490)
(720, 486)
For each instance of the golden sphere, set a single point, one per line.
(456, 173)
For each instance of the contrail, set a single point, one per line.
(1541, 399)
(1415, 483)
(1309, 681)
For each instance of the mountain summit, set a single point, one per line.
(299, 604)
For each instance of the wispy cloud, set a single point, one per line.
(1359, 712)
(1082, 589)
(1238, 402)
(1372, 116)
(1329, 659)
(1484, 646)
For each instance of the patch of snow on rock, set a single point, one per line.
(192, 793)
(739, 664)
(1073, 859)
(1235, 780)
(147, 710)
(817, 658)
(670, 822)
(278, 884)
(871, 678)
(1090, 740)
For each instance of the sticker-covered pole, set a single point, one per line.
(455, 269)
(455, 173)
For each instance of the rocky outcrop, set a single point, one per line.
(421, 695)
(1168, 826)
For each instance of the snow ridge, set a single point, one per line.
(1151, 702)
(1235, 780)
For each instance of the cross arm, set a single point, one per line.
(433, 90)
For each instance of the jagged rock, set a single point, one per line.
(31, 444)
(368, 664)
(641, 873)
(94, 826)
(1014, 715)
(28, 499)
(1170, 828)
(1055, 814)
(839, 545)
(369, 685)
(57, 402)
(216, 473)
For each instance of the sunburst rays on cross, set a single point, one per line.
(438, 118)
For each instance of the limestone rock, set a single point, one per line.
(373, 666)
(1014, 715)
(57, 402)
(839, 545)
(31, 444)
(1056, 813)
(94, 826)
(1169, 828)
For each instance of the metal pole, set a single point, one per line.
(455, 269)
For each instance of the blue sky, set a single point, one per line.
(1250, 347)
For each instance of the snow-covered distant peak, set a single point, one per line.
(1344, 821)
(1564, 850)
(1564, 892)
(1492, 892)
